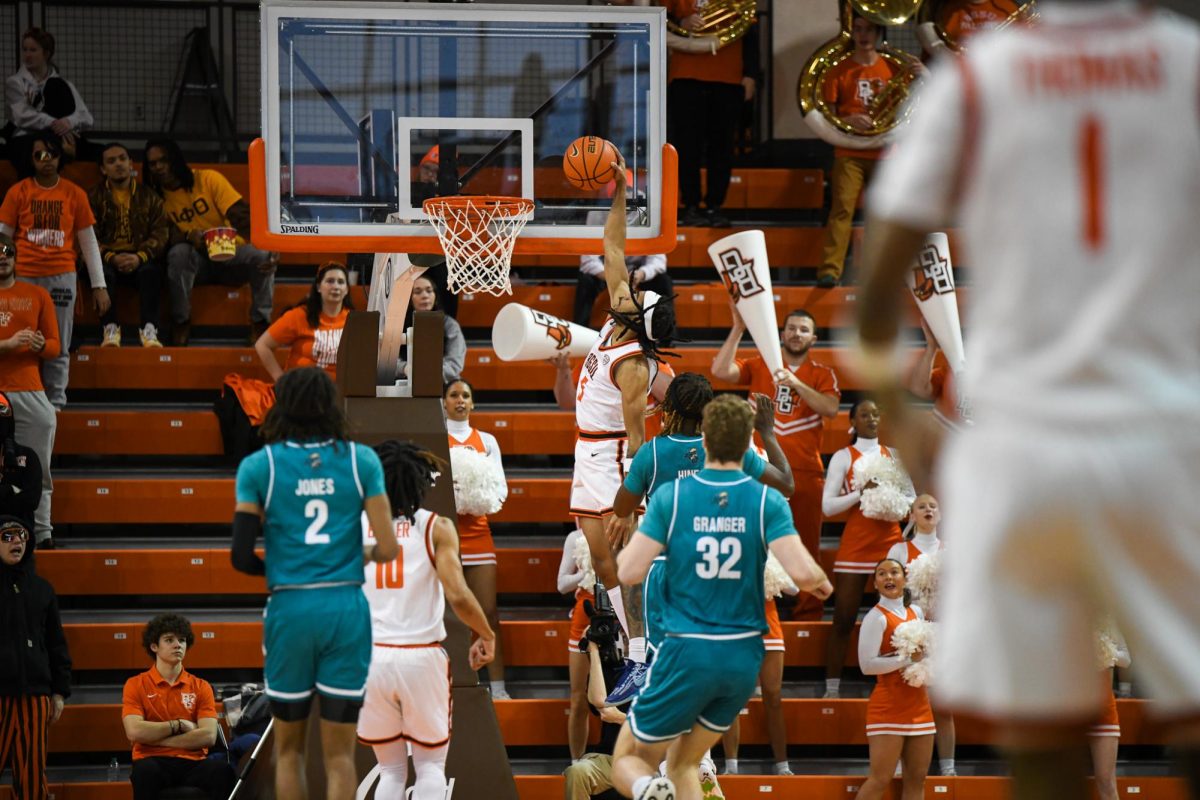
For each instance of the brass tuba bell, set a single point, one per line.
(889, 108)
(725, 21)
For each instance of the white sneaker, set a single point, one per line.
(658, 789)
(784, 769)
(112, 335)
(832, 694)
(149, 335)
(500, 694)
(708, 770)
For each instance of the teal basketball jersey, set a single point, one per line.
(312, 495)
(670, 456)
(715, 527)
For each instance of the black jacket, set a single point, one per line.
(21, 485)
(33, 648)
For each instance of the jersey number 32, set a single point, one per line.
(712, 565)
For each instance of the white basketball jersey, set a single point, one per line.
(405, 595)
(1068, 154)
(597, 395)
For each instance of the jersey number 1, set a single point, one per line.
(1091, 168)
(711, 550)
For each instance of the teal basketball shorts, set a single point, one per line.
(317, 639)
(696, 681)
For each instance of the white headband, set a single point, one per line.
(649, 298)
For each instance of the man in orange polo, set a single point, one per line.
(170, 718)
(806, 393)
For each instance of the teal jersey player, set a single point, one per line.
(670, 456)
(312, 495)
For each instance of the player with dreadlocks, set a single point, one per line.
(610, 410)
(408, 689)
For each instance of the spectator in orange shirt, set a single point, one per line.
(705, 94)
(170, 718)
(850, 88)
(46, 214)
(806, 393)
(28, 335)
(312, 328)
(963, 19)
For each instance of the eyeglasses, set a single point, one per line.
(14, 535)
(44, 155)
(7, 251)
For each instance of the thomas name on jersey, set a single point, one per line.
(306, 487)
(719, 524)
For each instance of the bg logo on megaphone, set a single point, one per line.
(556, 329)
(931, 274)
(738, 274)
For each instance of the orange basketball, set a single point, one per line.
(588, 162)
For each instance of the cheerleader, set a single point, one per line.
(1104, 736)
(574, 575)
(921, 538)
(900, 722)
(864, 541)
(475, 535)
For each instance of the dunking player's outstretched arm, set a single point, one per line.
(632, 376)
(616, 274)
(800, 566)
(459, 595)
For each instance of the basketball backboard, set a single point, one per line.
(359, 96)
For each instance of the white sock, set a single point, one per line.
(640, 785)
(782, 766)
(946, 764)
(637, 649)
(618, 604)
(731, 766)
(833, 684)
(707, 754)
(393, 768)
(498, 686)
(430, 765)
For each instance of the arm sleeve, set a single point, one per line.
(777, 517)
(56, 648)
(492, 447)
(641, 470)
(657, 522)
(833, 502)
(370, 471)
(870, 639)
(569, 574)
(592, 265)
(654, 266)
(31, 483)
(455, 355)
(915, 185)
(246, 528)
(22, 114)
(753, 464)
(90, 249)
(81, 120)
(826, 382)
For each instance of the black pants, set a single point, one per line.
(154, 774)
(589, 288)
(702, 120)
(148, 278)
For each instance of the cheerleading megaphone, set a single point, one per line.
(931, 281)
(521, 333)
(741, 261)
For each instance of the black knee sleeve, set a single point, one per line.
(291, 710)
(340, 709)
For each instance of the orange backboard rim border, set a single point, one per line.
(263, 238)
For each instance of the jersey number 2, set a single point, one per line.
(318, 512)
(711, 550)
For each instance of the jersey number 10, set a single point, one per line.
(711, 550)
(391, 574)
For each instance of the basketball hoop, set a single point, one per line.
(477, 233)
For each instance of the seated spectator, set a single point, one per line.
(197, 201)
(46, 214)
(20, 471)
(313, 327)
(35, 666)
(40, 101)
(170, 718)
(454, 345)
(133, 233)
(28, 336)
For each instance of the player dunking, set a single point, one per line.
(305, 491)
(1069, 155)
(715, 528)
(610, 409)
(408, 690)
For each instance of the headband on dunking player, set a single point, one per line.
(650, 300)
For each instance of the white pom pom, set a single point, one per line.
(923, 579)
(910, 638)
(889, 499)
(776, 579)
(583, 559)
(478, 483)
(1106, 645)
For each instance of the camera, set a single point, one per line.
(604, 629)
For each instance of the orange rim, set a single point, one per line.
(472, 204)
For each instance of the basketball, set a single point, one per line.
(588, 162)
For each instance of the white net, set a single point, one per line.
(478, 234)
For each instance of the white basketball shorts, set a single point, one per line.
(1050, 530)
(599, 470)
(408, 697)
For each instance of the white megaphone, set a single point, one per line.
(931, 281)
(741, 261)
(521, 333)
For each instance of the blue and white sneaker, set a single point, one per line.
(633, 678)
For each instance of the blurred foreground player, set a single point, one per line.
(408, 689)
(1069, 155)
(306, 492)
